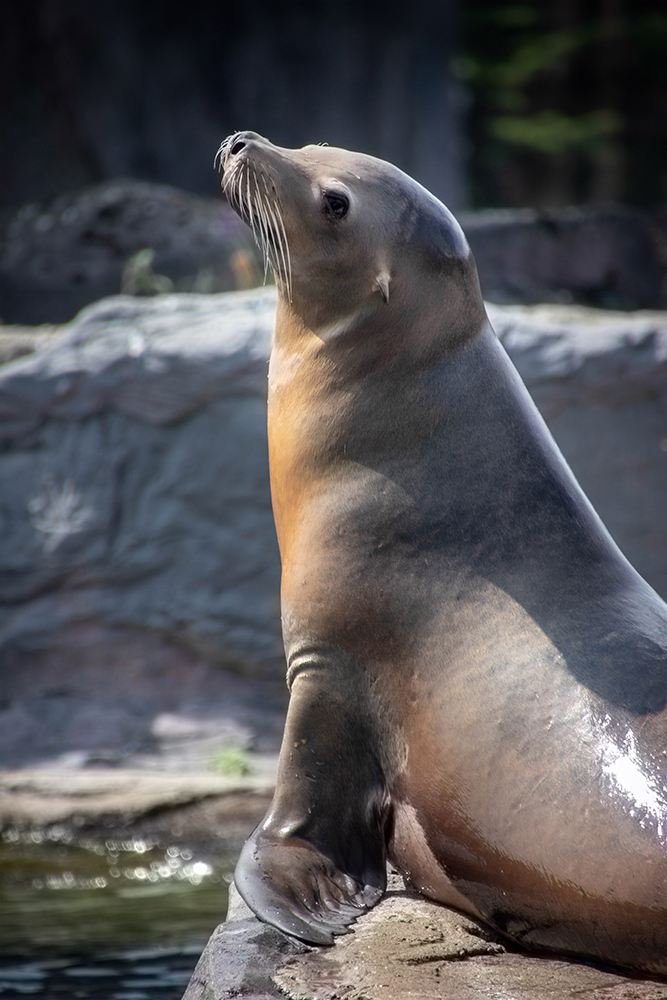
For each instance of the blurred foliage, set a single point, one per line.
(139, 278)
(551, 132)
(231, 762)
(569, 101)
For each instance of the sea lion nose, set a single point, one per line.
(240, 141)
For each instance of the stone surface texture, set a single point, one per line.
(194, 806)
(242, 957)
(136, 534)
(405, 947)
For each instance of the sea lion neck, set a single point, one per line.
(352, 337)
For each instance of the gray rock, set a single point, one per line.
(406, 947)
(613, 257)
(137, 536)
(57, 258)
(17, 341)
(97, 799)
(241, 957)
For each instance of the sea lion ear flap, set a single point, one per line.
(382, 283)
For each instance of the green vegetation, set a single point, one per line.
(551, 132)
(569, 100)
(138, 277)
(232, 762)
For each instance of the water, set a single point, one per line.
(114, 920)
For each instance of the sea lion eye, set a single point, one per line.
(335, 205)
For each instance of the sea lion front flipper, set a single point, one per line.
(317, 861)
(296, 888)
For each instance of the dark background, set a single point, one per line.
(543, 103)
(94, 89)
(569, 101)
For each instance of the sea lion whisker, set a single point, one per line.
(239, 190)
(223, 151)
(263, 225)
(256, 221)
(227, 187)
(266, 246)
(262, 230)
(227, 174)
(289, 258)
(273, 241)
(279, 241)
(250, 208)
(275, 234)
(255, 209)
(265, 232)
(283, 244)
(268, 199)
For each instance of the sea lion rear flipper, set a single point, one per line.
(317, 861)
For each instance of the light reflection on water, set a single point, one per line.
(114, 920)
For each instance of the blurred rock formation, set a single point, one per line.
(611, 257)
(57, 258)
(137, 544)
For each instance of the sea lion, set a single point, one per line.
(478, 676)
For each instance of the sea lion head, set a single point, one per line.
(349, 236)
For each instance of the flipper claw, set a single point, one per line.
(294, 887)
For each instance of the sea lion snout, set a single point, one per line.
(235, 144)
